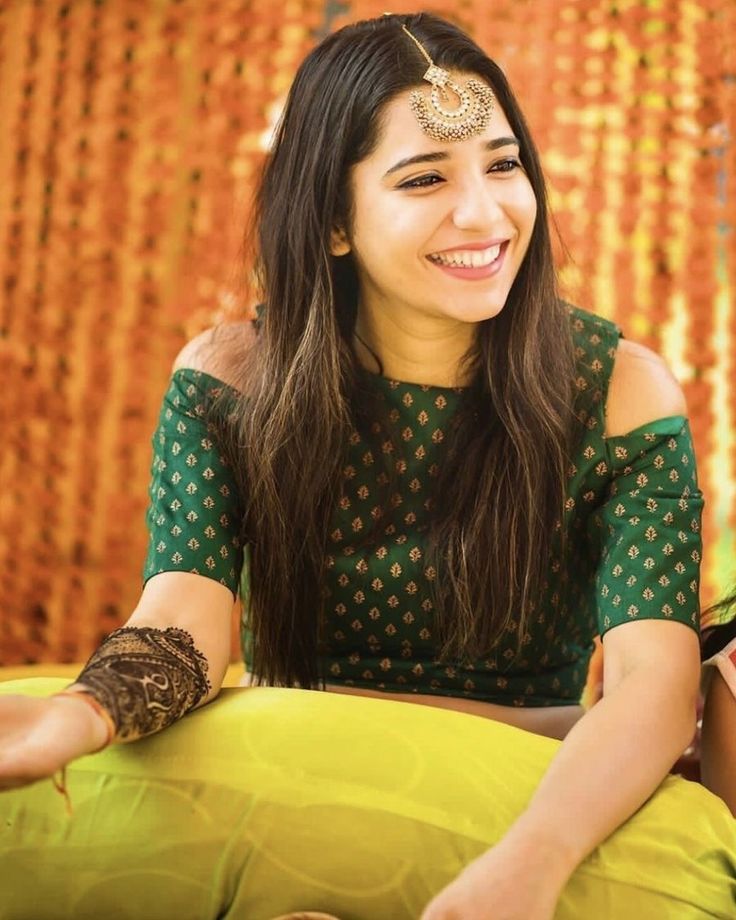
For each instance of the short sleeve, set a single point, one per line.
(195, 513)
(648, 528)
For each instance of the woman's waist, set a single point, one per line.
(551, 717)
(554, 721)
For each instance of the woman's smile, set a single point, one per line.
(471, 262)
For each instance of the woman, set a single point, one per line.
(448, 482)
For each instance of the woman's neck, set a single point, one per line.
(430, 354)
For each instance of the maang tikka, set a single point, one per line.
(469, 117)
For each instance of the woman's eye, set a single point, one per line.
(421, 182)
(505, 166)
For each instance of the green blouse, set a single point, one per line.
(632, 518)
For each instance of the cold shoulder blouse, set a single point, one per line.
(632, 520)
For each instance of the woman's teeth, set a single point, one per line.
(470, 258)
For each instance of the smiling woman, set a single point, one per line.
(434, 482)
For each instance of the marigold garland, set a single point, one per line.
(133, 134)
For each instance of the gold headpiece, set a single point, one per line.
(470, 116)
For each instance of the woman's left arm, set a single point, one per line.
(606, 768)
(619, 752)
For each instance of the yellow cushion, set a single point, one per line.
(273, 800)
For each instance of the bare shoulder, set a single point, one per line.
(221, 352)
(642, 389)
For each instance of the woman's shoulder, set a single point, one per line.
(628, 383)
(642, 389)
(221, 352)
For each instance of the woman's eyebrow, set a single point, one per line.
(439, 155)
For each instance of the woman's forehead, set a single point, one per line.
(400, 135)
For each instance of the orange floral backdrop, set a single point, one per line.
(130, 136)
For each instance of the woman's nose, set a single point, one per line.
(476, 207)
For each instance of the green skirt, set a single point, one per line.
(272, 800)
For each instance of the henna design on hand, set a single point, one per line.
(146, 678)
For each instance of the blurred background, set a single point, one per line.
(131, 132)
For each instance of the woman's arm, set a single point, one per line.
(606, 768)
(170, 657)
(39, 736)
(619, 752)
(172, 653)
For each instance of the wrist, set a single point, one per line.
(542, 849)
(102, 729)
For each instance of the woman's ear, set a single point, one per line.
(339, 244)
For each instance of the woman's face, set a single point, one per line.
(439, 229)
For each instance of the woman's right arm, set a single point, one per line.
(172, 653)
(169, 657)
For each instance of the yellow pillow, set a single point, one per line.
(272, 800)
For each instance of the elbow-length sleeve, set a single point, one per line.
(648, 528)
(195, 512)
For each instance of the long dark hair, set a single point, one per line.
(500, 497)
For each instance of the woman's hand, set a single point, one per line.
(40, 736)
(501, 885)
